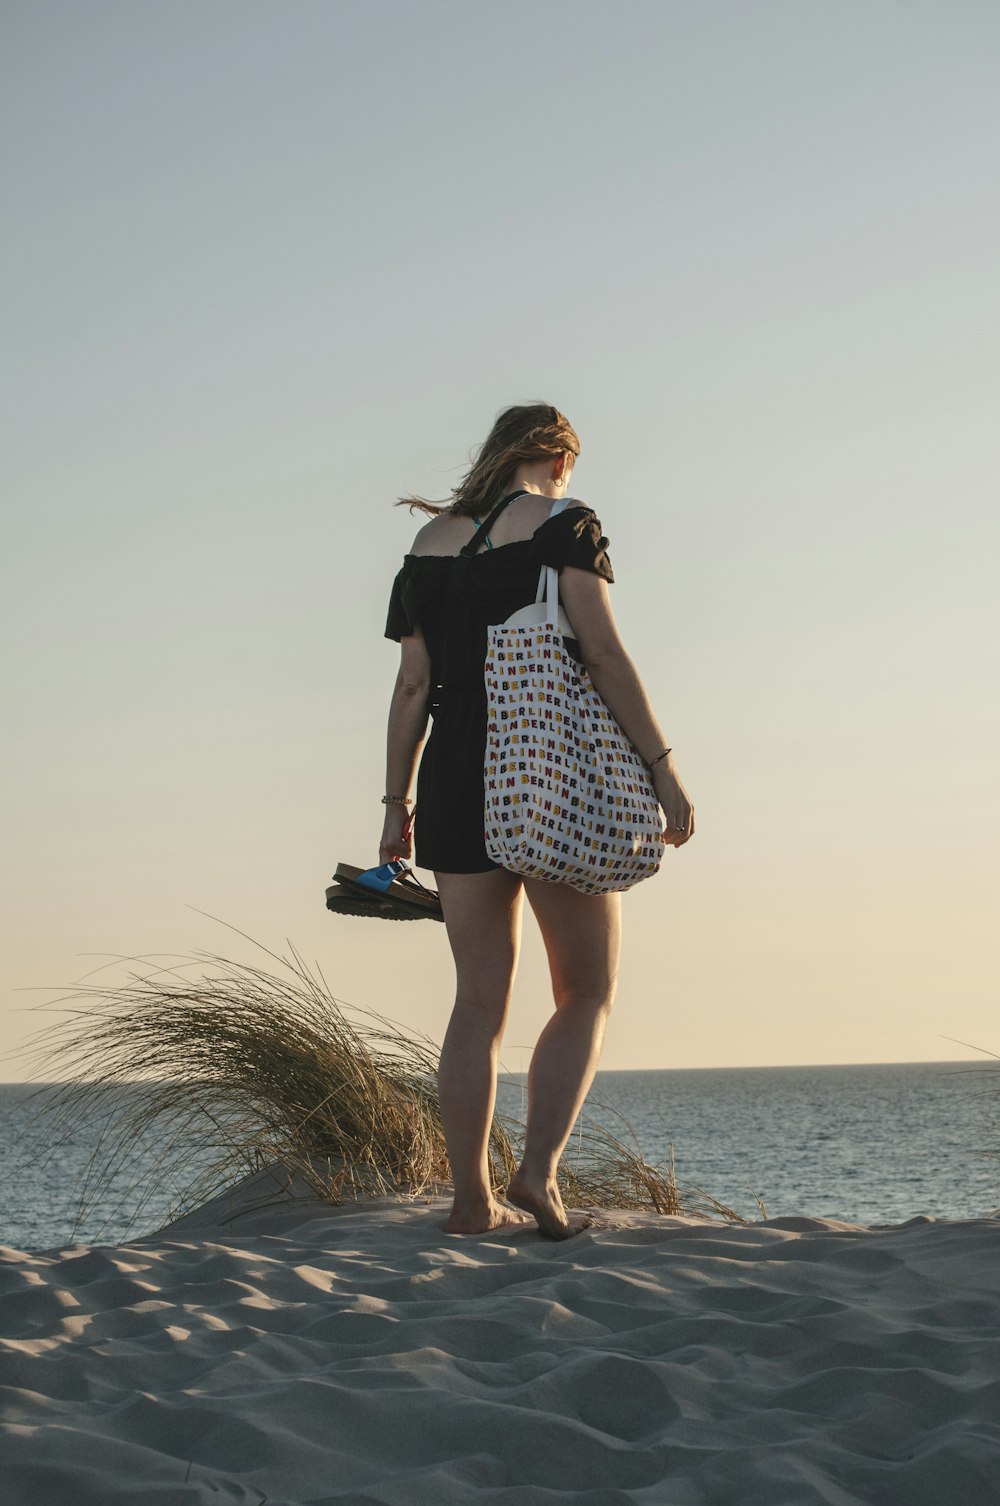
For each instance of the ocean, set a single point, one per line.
(877, 1143)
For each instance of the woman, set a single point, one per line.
(439, 613)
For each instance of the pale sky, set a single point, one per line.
(268, 266)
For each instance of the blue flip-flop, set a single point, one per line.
(380, 879)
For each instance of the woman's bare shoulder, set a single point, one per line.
(439, 535)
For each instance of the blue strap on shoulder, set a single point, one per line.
(483, 530)
(482, 534)
(489, 541)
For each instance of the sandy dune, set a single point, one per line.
(308, 1354)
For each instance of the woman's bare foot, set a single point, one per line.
(542, 1201)
(485, 1220)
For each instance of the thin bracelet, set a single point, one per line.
(396, 800)
(656, 760)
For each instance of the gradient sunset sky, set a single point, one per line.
(267, 266)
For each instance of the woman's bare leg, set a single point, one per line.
(482, 913)
(582, 935)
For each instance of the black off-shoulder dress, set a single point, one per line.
(454, 600)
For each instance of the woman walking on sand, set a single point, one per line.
(440, 622)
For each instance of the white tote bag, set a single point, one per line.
(568, 798)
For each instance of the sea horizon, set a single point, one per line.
(872, 1142)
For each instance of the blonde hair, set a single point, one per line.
(530, 431)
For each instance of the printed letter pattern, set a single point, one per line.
(567, 796)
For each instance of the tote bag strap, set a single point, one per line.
(548, 576)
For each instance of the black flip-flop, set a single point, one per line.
(390, 892)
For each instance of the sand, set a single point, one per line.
(309, 1354)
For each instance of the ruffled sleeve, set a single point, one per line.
(574, 537)
(400, 621)
(415, 592)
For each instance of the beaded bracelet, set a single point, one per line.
(658, 757)
(396, 800)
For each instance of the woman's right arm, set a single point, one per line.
(587, 602)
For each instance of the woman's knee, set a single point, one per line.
(480, 1012)
(585, 998)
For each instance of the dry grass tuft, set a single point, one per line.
(217, 1077)
(602, 1169)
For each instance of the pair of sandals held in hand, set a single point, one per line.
(389, 892)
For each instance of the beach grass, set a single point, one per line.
(190, 1084)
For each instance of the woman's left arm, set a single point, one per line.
(404, 739)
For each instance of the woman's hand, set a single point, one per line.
(674, 802)
(396, 834)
